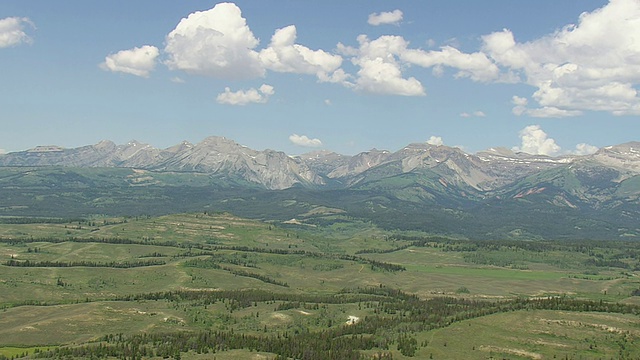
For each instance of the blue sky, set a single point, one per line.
(548, 77)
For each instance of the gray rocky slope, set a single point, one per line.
(485, 171)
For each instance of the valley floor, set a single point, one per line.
(193, 285)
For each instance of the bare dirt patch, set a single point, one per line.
(517, 352)
(573, 323)
(281, 317)
(352, 320)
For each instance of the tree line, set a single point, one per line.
(84, 263)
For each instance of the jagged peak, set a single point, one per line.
(375, 151)
(273, 152)
(217, 140)
(105, 143)
(420, 145)
(502, 151)
(632, 146)
(183, 145)
(135, 143)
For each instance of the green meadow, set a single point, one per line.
(72, 289)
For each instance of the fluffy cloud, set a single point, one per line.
(585, 149)
(382, 61)
(520, 105)
(284, 55)
(392, 17)
(219, 43)
(3, 151)
(378, 76)
(535, 141)
(476, 66)
(435, 140)
(137, 61)
(380, 69)
(520, 108)
(591, 66)
(215, 42)
(303, 140)
(575, 69)
(12, 31)
(552, 112)
(395, 49)
(240, 97)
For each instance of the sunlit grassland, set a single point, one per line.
(540, 334)
(429, 270)
(214, 252)
(72, 251)
(231, 355)
(53, 285)
(17, 352)
(85, 322)
(432, 271)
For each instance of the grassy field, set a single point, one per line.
(536, 335)
(72, 283)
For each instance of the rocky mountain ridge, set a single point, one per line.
(214, 155)
(485, 171)
(438, 189)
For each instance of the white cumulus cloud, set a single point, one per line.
(520, 105)
(219, 43)
(380, 69)
(383, 60)
(391, 17)
(13, 31)
(520, 108)
(215, 42)
(379, 76)
(284, 55)
(435, 140)
(139, 61)
(585, 149)
(536, 141)
(3, 151)
(476, 66)
(244, 97)
(593, 65)
(552, 112)
(303, 140)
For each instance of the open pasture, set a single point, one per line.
(96, 277)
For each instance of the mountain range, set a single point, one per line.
(454, 189)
